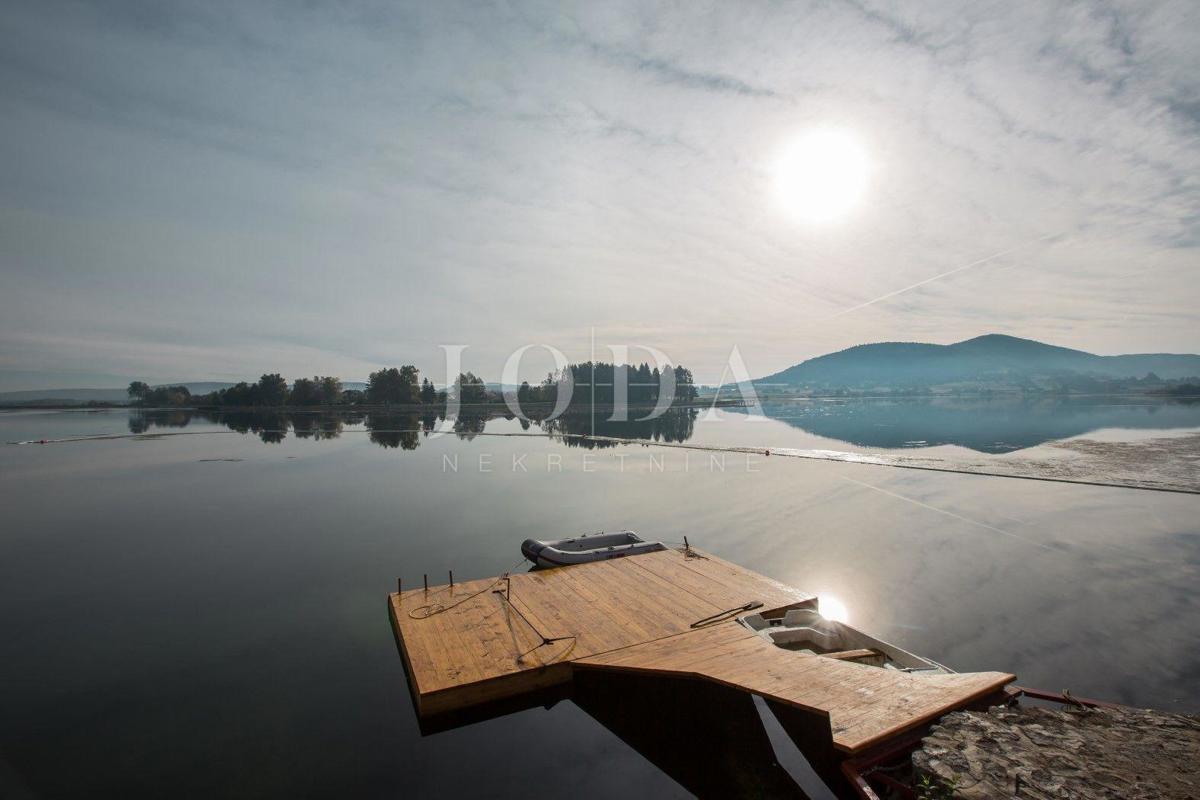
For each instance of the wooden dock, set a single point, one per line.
(669, 614)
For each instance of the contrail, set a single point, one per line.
(918, 284)
(948, 513)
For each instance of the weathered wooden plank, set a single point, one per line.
(864, 703)
(736, 580)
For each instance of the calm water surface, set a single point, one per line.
(204, 614)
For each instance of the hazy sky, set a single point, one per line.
(208, 191)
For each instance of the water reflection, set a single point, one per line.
(140, 422)
(676, 425)
(467, 426)
(725, 752)
(986, 426)
(320, 426)
(710, 739)
(254, 592)
(401, 431)
(404, 430)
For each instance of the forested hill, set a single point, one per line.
(994, 358)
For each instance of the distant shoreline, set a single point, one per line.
(394, 407)
(701, 403)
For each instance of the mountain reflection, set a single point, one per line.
(984, 425)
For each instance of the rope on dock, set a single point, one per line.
(506, 597)
(432, 609)
(721, 616)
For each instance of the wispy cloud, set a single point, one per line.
(354, 185)
(941, 275)
(672, 72)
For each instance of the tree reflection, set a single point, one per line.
(468, 426)
(141, 421)
(394, 430)
(676, 425)
(321, 425)
(404, 430)
(271, 427)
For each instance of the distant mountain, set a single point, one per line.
(64, 396)
(204, 387)
(81, 396)
(991, 359)
(84, 396)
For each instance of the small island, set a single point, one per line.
(589, 385)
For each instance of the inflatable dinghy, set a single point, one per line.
(587, 548)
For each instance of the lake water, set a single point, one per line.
(190, 610)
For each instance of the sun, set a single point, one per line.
(821, 175)
(833, 608)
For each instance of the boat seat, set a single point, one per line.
(851, 655)
(822, 640)
(802, 617)
(755, 622)
(860, 656)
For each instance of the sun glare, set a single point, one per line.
(832, 608)
(821, 175)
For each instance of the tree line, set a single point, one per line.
(596, 382)
(403, 386)
(392, 386)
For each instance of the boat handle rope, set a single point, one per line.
(721, 615)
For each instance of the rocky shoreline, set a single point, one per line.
(1080, 752)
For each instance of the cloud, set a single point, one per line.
(352, 186)
(670, 72)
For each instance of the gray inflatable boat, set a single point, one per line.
(586, 548)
